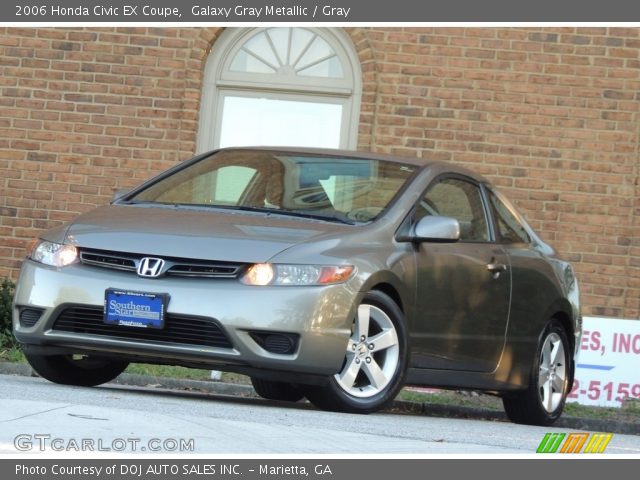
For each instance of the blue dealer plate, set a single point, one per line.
(135, 309)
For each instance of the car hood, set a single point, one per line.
(200, 233)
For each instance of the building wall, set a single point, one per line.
(550, 115)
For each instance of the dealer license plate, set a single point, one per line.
(135, 309)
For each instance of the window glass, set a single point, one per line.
(231, 182)
(222, 186)
(260, 47)
(460, 200)
(260, 121)
(509, 228)
(246, 62)
(352, 189)
(297, 50)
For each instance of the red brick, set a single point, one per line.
(549, 114)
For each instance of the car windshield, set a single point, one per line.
(316, 186)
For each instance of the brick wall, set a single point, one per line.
(550, 115)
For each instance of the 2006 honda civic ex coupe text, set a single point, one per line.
(335, 276)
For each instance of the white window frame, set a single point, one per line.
(220, 82)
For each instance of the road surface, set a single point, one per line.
(35, 413)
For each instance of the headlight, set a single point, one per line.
(54, 254)
(278, 274)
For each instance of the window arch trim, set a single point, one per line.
(219, 80)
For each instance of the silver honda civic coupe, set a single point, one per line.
(331, 275)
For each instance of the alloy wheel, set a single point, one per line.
(372, 354)
(552, 377)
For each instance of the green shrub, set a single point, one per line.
(6, 299)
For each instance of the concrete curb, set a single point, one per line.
(574, 423)
(428, 409)
(220, 388)
(10, 368)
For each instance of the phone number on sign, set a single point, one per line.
(595, 390)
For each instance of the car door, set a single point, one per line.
(463, 288)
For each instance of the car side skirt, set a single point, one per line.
(460, 380)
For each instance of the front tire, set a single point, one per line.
(83, 372)
(543, 401)
(375, 362)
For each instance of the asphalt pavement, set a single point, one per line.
(144, 383)
(35, 413)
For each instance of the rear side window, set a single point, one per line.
(509, 228)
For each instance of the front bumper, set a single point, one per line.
(321, 316)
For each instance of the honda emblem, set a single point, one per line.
(150, 267)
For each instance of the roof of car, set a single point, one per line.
(329, 152)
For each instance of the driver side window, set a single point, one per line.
(459, 199)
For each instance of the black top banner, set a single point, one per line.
(318, 11)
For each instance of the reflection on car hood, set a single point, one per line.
(200, 233)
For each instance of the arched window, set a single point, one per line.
(292, 86)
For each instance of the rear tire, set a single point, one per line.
(552, 372)
(375, 363)
(83, 372)
(287, 392)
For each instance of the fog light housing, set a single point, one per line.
(276, 342)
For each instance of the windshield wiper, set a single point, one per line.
(245, 208)
(288, 213)
(328, 218)
(140, 202)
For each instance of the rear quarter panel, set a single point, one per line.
(539, 292)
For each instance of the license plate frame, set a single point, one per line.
(135, 309)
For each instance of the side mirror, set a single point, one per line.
(436, 229)
(118, 194)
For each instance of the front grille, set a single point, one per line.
(203, 270)
(174, 266)
(107, 260)
(181, 329)
(30, 316)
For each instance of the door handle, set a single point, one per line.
(496, 269)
